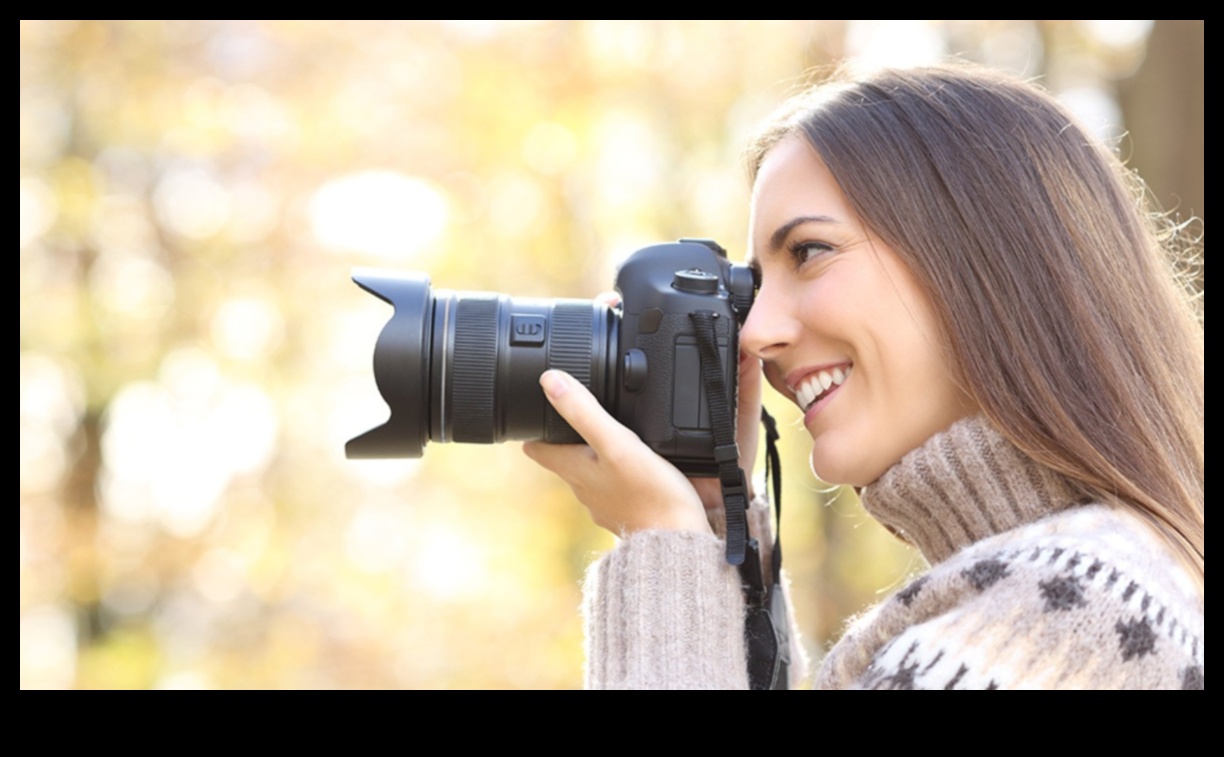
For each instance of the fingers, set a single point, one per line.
(626, 486)
(749, 389)
(575, 403)
(773, 375)
(562, 459)
(748, 419)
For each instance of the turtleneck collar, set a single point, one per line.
(961, 486)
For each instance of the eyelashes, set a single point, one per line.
(800, 252)
(803, 251)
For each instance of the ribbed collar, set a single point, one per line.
(961, 486)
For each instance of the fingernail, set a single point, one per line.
(554, 384)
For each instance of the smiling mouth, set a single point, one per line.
(819, 384)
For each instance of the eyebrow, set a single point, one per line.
(782, 232)
(779, 236)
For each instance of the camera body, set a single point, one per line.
(662, 393)
(465, 366)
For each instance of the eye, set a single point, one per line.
(804, 251)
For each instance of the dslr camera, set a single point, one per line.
(465, 366)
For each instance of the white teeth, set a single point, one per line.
(805, 394)
(818, 383)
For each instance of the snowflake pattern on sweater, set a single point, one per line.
(1083, 599)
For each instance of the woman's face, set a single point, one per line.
(842, 327)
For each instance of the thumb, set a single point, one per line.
(575, 403)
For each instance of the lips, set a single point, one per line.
(815, 385)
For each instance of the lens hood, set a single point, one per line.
(401, 365)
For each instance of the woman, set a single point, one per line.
(985, 336)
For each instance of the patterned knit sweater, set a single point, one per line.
(1030, 587)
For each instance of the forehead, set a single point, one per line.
(792, 183)
(793, 170)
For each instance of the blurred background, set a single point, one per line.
(194, 355)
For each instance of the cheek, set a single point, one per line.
(831, 314)
(921, 395)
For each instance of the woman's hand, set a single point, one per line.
(625, 484)
(595, 479)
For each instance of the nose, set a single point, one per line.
(769, 328)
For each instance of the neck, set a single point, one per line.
(961, 486)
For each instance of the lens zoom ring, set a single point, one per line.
(569, 349)
(475, 372)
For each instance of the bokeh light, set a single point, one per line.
(380, 213)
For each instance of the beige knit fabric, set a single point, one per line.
(661, 608)
(962, 486)
(1029, 589)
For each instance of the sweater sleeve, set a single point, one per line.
(663, 610)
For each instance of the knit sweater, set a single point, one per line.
(1031, 586)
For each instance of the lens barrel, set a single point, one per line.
(465, 366)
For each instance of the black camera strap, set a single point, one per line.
(768, 627)
(765, 624)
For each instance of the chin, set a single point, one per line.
(841, 472)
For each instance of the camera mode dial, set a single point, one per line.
(696, 281)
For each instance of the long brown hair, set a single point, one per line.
(1061, 300)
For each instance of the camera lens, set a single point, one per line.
(465, 366)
